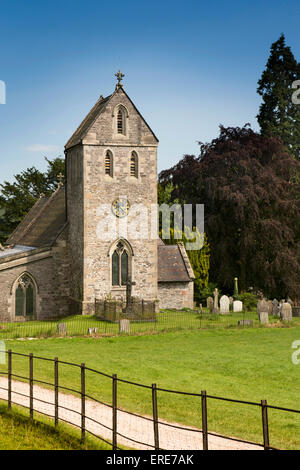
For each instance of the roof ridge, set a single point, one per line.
(50, 198)
(101, 100)
(186, 260)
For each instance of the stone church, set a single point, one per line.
(57, 262)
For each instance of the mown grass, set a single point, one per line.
(248, 364)
(18, 432)
(167, 320)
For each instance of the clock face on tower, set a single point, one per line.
(120, 207)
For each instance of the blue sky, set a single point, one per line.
(189, 66)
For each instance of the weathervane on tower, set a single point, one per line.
(119, 76)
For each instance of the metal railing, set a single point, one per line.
(116, 434)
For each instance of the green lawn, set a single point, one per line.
(248, 364)
(18, 432)
(167, 320)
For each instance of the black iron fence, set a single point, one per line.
(114, 425)
(165, 320)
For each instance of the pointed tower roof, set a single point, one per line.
(94, 113)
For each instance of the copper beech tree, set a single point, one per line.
(250, 186)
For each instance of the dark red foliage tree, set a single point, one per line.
(250, 187)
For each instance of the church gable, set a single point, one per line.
(114, 119)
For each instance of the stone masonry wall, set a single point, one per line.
(50, 275)
(99, 189)
(176, 295)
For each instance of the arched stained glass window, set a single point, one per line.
(25, 297)
(120, 265)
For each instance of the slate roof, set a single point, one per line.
(173, 264)
(43, 223)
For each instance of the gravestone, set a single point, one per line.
(237, 306)
(216, 301)
(245, 322)
(224, 304)
(289, 300)
(270, 307)
(62, 329)
(124, 326)
(275, 309)
(263, 311)
(230, 302)
(210, 303)
(286, 312)
(263, 318)
(92, 331)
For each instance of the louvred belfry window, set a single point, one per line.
(134, 165)
(109, 163)
(120, 122)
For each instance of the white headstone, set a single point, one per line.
(224, 304)
(237, 306)
(286, 312)
(124, 326)
(263, 318)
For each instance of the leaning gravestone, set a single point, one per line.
(286, 312)
(263, 311)
(210, 303)
(237, 306)
(224, 304)
(62, 329)
(124, 326)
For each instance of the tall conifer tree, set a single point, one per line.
(278, 115)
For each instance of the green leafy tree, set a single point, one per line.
(17, 198)
(278, 115)
(250, 187)
(199, 259)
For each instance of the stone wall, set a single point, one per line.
(176, 295)
(91, 250)
(50, 272)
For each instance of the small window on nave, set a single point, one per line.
(134, 165)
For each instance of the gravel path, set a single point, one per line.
(137, 428)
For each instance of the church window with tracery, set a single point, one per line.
(120, 265)
(25, 297)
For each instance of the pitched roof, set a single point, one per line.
(83, 128)
(88, 121)
(43, 223)
(173, 264)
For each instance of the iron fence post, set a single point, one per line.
(9, 377)
(204, 420)
(56, 390)
(82, 402)
(264, 409)
(31, 385)
(155, 417)
(114, 411)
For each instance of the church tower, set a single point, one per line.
(111, 172)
